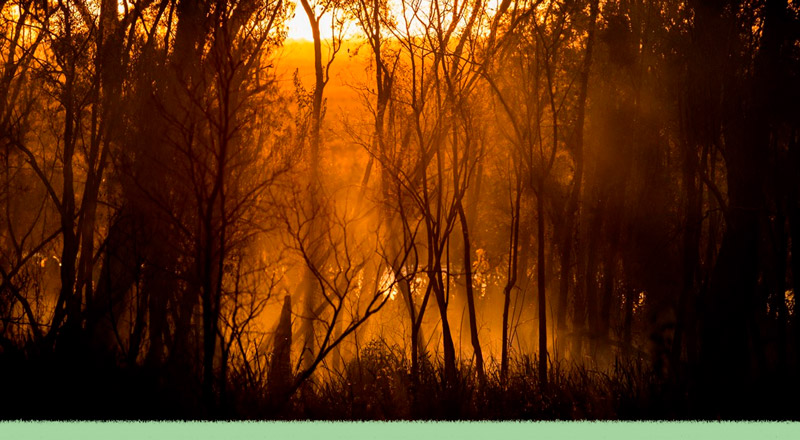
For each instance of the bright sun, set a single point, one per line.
(299, 29)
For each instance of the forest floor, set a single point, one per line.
(376, 387)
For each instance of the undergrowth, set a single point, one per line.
(375, 385)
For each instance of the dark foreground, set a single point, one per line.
(378, 387)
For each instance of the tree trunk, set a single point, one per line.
(279, 378)
(541, 287)
(590, 276)
(513, 269)
(473, 321)
(309, 284)
(577, 181)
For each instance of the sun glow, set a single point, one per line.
(300, 28)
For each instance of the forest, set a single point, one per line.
(458, 210)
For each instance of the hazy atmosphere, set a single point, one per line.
(399, 209)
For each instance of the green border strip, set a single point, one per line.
(399, 430)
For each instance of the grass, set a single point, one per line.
(377, 385)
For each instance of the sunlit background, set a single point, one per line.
(299, 29)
